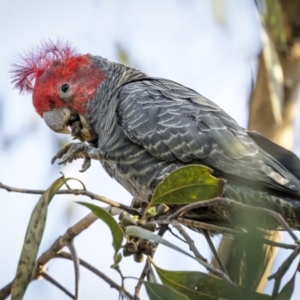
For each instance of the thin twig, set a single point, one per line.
(189, 240)
(227, 201)
(57, 246)
(97, 272)
(176, 235)
(161, 232)
(140, 281)
(214, 251)
(198, 204)
(197, 224)
(75, 259)
(76, 179)
(222, 230)
(203, 225)
(5, 291)
(208, 266)
(57, 284)
(75, 192)
(151, 276)
(280, 245)
(282, 270)
(62, 241)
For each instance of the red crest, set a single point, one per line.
(33, 63)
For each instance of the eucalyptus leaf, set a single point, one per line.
(187, 185)
(116, 231)
(151, 275)
(161, 292)
(33, 239)
(148, 235)
(230, 289)
(198, 285)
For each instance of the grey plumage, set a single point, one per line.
(147, 127)
(142, 128)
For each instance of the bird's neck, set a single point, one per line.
(100, 110)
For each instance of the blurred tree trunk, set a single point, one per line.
(272, 112)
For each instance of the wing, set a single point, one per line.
(287, 158)
(173, 122)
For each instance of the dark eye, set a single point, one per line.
(64, 88)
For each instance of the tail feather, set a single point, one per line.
(287, 158)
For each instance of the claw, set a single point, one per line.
(61, 153)
(74, 152)
(86, 164)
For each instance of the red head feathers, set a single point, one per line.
(57, 76)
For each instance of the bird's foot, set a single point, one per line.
(72, 152)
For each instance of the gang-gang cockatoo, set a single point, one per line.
(142, 128)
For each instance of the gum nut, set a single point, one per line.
(149, 226)
(126, 252)
(127, 221)
(162, 209)
(138, 257)
(131, 247)
(122, 215)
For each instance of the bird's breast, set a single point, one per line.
(136, 169)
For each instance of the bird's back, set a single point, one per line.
(161, 125)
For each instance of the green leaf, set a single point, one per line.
(188, 281)
(186, 185)
(198, 285)
(161, 292)
(151, 275)
(116, 231)
(192, 284)
(33, 239)
(229, 289)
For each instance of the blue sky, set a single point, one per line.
(210, 46)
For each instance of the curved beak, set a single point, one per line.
(58, 119)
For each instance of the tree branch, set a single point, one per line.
(282, 270)
(161, 232)
(214, 251)
(228, 201)
(5, 291)
(280, 245)
(188, 239)
(75, 259)
(57, 246)
(57, 284)
(62, 241)
(193, 248)
(97, 272)
(75, 192)
(210, 227)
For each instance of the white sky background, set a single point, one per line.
(212, 49)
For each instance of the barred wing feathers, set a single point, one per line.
(173, 122)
